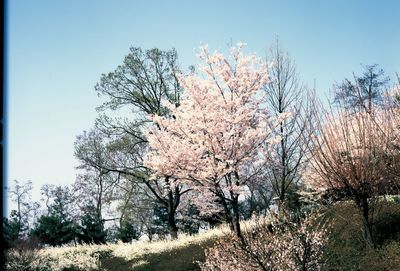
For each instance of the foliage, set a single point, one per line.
(57, 227)
(52, 230)
(12, 229)
(236, 141)
(127, 232)
(395, 93)
(59, 259)
(18, 260)
(23, 256)
(344, 248)
(189, 219)
(92, 227)
(141, 84)
(144, 79)
(258, 199)
(94, 183)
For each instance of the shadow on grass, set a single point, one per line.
(179, 259)
(347, 249)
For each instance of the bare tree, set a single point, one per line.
(20, 194)
(363, 92)
(62, 197)
(106, 161)
(94, 183)
(135, 205)
(354, 153)
(286, 94)
(145, 79)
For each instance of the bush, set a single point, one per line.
(29, 257)
(276, 245)
(22, 256)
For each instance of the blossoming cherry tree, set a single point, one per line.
(219, 137)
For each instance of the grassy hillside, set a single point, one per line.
(181, 254)
(346, 249)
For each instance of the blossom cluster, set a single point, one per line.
(220, 134)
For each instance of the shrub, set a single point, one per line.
(82, 258)
(276, 245)
(22, 256)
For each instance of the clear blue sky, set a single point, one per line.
(57, 51)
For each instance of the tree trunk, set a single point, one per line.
(173, 229)
(173, 203)
(170, 203)
(235, 216)
(363, 206)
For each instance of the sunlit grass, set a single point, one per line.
(140, 248)
(187, 250)
(124, 256)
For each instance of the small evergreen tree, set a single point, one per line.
(160, 221)
(127, 232)
(92, 227)
(188, 219)
(12, 229)
(54, 230)
(57, 227)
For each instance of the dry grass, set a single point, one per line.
(345, 250)
(140, 255)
